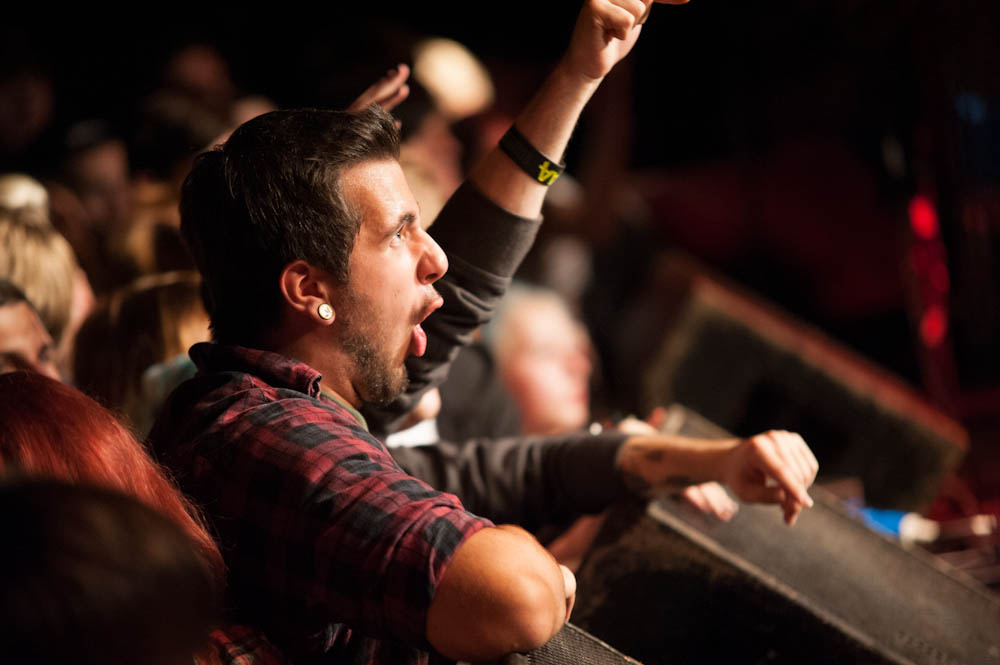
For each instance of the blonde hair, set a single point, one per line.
(19, 191)
(39, 260)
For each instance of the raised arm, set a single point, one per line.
(605, 32)
(490, 223)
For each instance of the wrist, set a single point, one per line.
(657, 463)
(541, 168)
(548, 120)
(575, 76)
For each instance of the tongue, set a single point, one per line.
(418, 341)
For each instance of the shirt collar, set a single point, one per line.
(274, 368)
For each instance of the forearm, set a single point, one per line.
(547, 123)
(501, 593)
(772, 467)
(663, 462)
(605, 32)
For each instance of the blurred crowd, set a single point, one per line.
(100, 302)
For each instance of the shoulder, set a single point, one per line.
(230, 419)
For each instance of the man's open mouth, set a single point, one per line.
(418, 338)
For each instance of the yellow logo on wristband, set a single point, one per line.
(545, 174)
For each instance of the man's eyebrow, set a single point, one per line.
(406, 219)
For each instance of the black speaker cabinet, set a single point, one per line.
(748, 367)
(667, 585)
(571, 646)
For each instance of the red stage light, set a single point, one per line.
(933, 326)
(923, 217)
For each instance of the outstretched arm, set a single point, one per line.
(773, 467)
(503, 592)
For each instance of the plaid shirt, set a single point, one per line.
(239, 645)
(332, 549)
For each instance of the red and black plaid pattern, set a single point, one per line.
(332, 549)
(239, 645)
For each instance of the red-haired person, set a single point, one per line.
(52, 430)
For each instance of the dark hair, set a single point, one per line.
(269, 196)
(94, 577)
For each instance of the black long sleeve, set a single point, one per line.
(530, 481)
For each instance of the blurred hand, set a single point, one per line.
(773, 467)
(387, 92)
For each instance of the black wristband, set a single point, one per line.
(532, 162)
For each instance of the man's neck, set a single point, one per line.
(329, 393)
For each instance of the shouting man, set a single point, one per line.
(326, 294)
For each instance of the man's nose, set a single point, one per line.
(433, 262)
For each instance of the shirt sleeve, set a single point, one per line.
(529, 481)
(485, 245)
(326, 528)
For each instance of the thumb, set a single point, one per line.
(569, 581)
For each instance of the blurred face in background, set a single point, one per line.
(24, 342)
(100, 176)
(544, 359)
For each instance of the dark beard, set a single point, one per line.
(379, 379)
(381, 382)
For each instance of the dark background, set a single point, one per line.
(763, 125)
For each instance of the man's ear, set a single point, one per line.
(308, 290)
